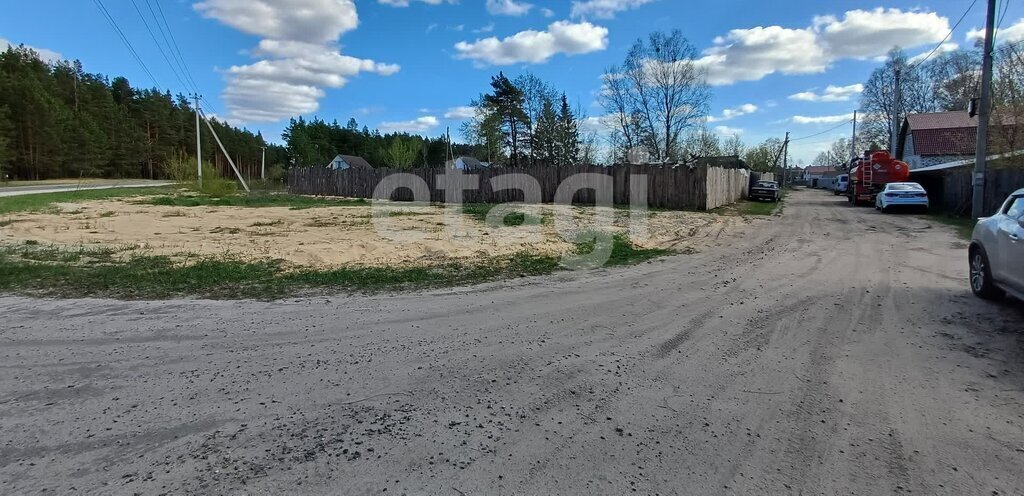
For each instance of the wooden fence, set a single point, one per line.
(952, 191)
(666, 187)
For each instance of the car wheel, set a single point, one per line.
(981, 276)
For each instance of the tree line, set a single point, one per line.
(57, 120)
(314, 142)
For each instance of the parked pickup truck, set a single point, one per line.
(765, 190)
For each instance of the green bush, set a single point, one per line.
(182, 169)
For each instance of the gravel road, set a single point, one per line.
(831, 350)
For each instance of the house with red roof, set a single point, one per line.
(937, 138)
(821, 176)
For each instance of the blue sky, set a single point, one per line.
(409, 64)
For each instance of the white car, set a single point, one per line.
(842, 182)
(997, 251)
(902, 195)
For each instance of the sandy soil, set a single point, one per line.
(335, 236)
(830, 351)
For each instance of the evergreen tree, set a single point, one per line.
(547, 144)
(568, 135)
(61, 121)
(506, 101)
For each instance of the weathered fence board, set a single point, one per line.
(667, 187)
(952, 190)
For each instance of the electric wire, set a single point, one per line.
(946, 38)
(124, 39)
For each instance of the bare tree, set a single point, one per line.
(658, 94)
(536, 93)
(837, 155)
(733, 145)
(701, 142)
(1005, 132)
(878, 101)
(955, 78)
(615, 100)
(764, 156)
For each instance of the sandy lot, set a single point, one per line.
(336, 236)
(834, 350)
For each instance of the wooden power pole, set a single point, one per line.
(978, 205)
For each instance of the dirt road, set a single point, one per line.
(830, 351)
(68, 187)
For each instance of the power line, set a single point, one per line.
(158, 45)
(124, 39)
(946, 38)
(841, 124)
(174, 42)
(999, 24)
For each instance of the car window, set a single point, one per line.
(1016, 208)
(904, 187)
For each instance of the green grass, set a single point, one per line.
(479, 211)
(624, 252)
(31, 268)
(45, 201)
(254, 200)
(963, 226)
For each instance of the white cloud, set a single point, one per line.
(731, 113)
(728, 131)
(604, 9)
(536, 46)
(547, 12)
(462, 113)
(298, 55)
(751, 54)
(869, 33)
(485, 29)
(831, 94)
(314, 21)
(1009, 34)
(44, 54)
(417, 125)
(598, 124)
(822, 119)
(508, 7)
(405, 3)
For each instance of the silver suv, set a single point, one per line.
(997, 251)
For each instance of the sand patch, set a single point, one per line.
(337, 236)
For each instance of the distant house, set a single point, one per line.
(467, 163)
(820, 176)
(937, 138)
(342, 162)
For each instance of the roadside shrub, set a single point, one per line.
(182, 169)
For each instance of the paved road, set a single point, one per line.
(830, 351)
(60, 188)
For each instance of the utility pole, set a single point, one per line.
(199, 151)
(897, 97)
(785, 160)
(978, 205)
(263, 164)
(853, 139)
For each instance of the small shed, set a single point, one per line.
(342, 162)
